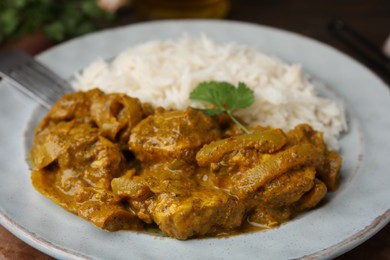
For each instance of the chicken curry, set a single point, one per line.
(122, 164)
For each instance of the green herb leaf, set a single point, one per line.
(225, 97)
(243, 97)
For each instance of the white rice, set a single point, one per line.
(165, 72)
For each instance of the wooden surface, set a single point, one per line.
(306, 17)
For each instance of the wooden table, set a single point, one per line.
(306, 17)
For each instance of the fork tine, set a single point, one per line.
(32, 78)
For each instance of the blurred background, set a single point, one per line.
(358, 28)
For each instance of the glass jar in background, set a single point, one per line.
(173, 9)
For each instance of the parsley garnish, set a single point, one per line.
(225, 97)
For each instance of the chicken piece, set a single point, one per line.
(203, 212)
(223, 174)
(136, 192)
(133, 188)
(330, 170)
(328, 166)
(175, 177)
(169, 195)
(273, 166)
(287, 188)
(270, 214)
(274, 204)
(313, 197)
(277, 201)
(268, 217)
(172, 134)
(79, 147)
(73, 165)
(116, 115)
(46, 182)
(72, 106)
(305, 133)
(53, 143)
(67, 108)
(104, 209)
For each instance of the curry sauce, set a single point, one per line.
(122, 164)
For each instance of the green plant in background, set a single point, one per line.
(58, 19)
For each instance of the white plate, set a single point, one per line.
(355, 212)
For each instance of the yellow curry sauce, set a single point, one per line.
(122, 164)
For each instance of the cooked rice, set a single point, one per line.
(165, 72)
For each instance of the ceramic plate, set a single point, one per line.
(355, 212)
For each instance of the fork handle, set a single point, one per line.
(16, 67)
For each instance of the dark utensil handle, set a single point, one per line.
(362, 46)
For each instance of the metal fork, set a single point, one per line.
(32, 78)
